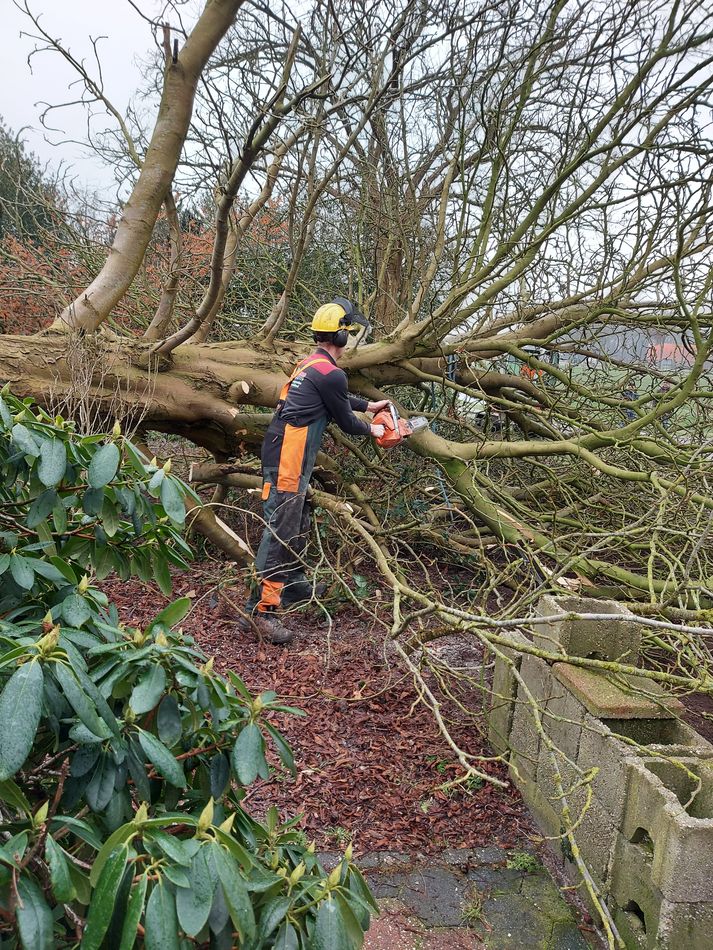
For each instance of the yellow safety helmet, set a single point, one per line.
(338, 315)
(329, 318)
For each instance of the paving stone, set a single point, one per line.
(532, 918)
(603, 639)
(489, 855)
(435, 895)
(496, 880)
(466, 858)
(606, 699)
(519, 910)
(566, 936)
(395, 859)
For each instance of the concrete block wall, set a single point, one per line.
(504, 690)
(647, 833)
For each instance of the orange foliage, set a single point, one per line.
(38, 280)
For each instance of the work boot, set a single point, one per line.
(240, 616)
(301, 592)
(269, 627)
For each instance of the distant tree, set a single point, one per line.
(29, 198)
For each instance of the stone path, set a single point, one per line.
(462, 899)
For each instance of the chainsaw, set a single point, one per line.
(395, 428)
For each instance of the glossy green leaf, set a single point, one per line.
(160, 922)
(177, 875)
(219, 775)
(110, 517)
(65, 570)
(24, 440)
(137, 771)
(23, 691)
(271, 916)
(12, 795)
(49, 572)
(34, 918)
(248, 754)
(100, 787)
(59, 518)
(352, 927)
(168, 721)
(62, 886)
(80, 881)
(164, 762)
(83, 760)
(149, 689)
(330, 929)
(359, 887)
(135, 458)
(81, 829)
(287, 938)
(92, 501)
(75, 610)
(22, 571)
(193, 903)
(283, 749)
(13, 850)
(155, 482)
(5, 414)
(101, 907)
(104, 561)
(172, 501)
(134, 910)
(79, 701)
(79, 733)
(174, 613)
(104, 466)
(41, 507)
(53, 462)
(236, 895)
(161, 574)
(182, 852)
(122, 836)
(219, 917)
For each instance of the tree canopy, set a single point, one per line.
(518, 197)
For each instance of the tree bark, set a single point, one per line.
(92, 307)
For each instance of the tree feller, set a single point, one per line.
(315, 395)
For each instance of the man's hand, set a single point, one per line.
(377, 406)
(377, 431)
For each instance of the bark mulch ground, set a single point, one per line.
(370, 758)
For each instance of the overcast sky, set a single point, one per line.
(73, 21)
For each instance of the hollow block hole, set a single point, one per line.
(637, 916)
(643, 839)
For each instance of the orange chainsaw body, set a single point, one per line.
(395, 429)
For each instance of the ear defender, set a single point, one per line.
(341, 337)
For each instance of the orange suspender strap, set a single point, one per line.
(304, 364)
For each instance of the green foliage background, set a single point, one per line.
(123, 755)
